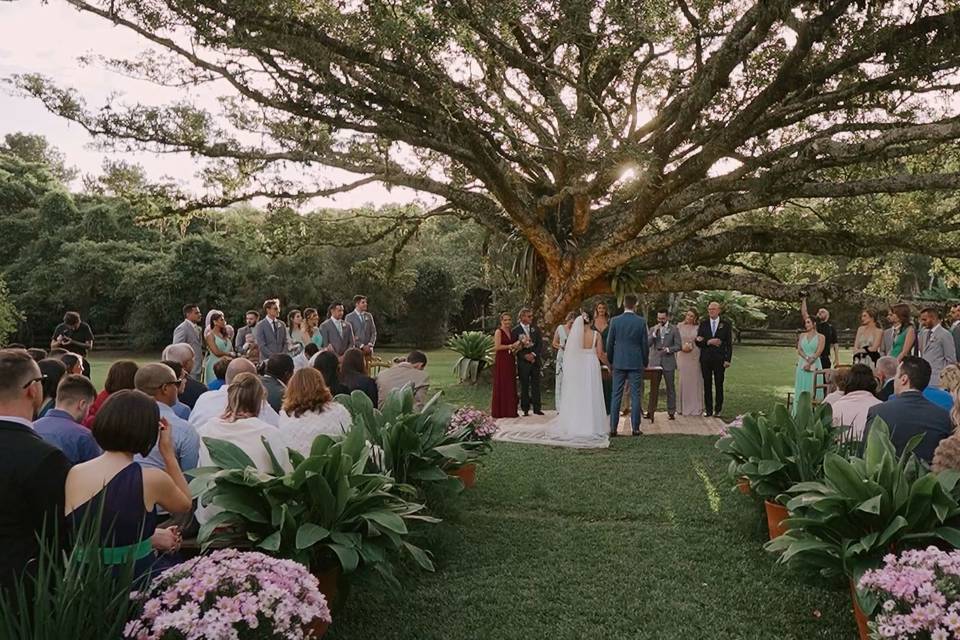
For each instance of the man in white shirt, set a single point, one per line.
(411, 371)
(955, 327)
(189, 332)
(337, 334)
(212, 404)
(936, 344)
(270, 333)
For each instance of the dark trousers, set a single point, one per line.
(529, 374)
(825, 360)
(713, 372)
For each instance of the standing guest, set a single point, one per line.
(240, 337)
(826, 329)
(885, 372)
(295, 327)
(160, 383)
(179, 408)
(869, 339)
(32, 472)
(628, 352)
(353, 375)
(810, 346)
(217, 342)
(219, 373)
(311, 329)
(119, 377)
(715, 339)
(601, 324)
(904, 336)
(328, 364)
(559, 342)
(690, 401)
(186, 356)
(411, 371)
(936, 344)
(36, 354)
(125, 493)
(61, 426)
(955, 327)
(504, 371)
(75, 336)
(851, 409)
(529, 361)
(52, 372)
(277, 373)
(213, 403)
(909, 413)
(337, 334)
(309, 410)
(72, 363)
(189, 332)
(665, 343)
(270, 333)
(364, 328)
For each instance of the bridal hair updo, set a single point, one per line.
(588, 316)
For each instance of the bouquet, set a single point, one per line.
(229, 595)
(918, 593)
(473, 424)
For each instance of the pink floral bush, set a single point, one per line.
(919, 595)
(229, 595)
(477, 424)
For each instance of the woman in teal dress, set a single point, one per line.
(809, 347)
(904, 335)
(217, 342)
(311, 327)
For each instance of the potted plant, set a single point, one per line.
(476, 352)
(469, 424)
(231, 593)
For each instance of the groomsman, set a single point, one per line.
(715, 339)
(665, 342)
(270, 333)
(529, 361)
(936, 344)
(364, 328)
(337, 334)
(189, 332)
(955, 327)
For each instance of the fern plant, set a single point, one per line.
(476, 352)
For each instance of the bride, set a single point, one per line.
(582, 419)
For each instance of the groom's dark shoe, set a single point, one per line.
(614, 434)
(673, 417)
(526, 414)
(637, 433)
(537, 412)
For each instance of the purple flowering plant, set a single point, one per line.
(472, 425)
(229, 595)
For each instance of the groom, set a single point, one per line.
(628, 350)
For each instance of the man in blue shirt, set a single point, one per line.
(61, 426)
(160, 382)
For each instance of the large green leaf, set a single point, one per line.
(387, 519)
(227, 455)
(271, 542)
(348, 557)
(310, 534)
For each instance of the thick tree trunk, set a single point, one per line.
(562, 294)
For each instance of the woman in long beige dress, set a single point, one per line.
(690, 400)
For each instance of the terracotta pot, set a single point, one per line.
(329, 580)
(467, 474)
(858, 614)
(744, 486)
(316, 629)
(776, 514)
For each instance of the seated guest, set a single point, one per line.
(850, 410)
(56, 353)
(353, 376)
(213, 403)
(328, 364)
(239, 425)
(839, 377)
(32, 472)
(909, 413)
(947, 455)
(127, 494)
(61, 426)
(950, 378)
(160, 383)
(184, 354)
(939, 397)
(309, 410)
(119, 377)
(885, 372)
(408, 372)
(182, 410)
(219, 373)
(309, 352)
(36, 354)
(73, 363)
(52, 372)
(276, 374)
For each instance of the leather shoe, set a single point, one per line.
(673, 417)
(709, 414)
(538, 412)
(614, 434)
(637, 433)
(526, 414)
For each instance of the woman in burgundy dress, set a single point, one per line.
(504, 370)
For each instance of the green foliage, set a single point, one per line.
(429, 304)
(476, 351)
(9, 316)
(741, 310)
(37, 150)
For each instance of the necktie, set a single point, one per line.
(339, 328)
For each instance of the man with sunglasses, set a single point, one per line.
(32, 472)
(158, 381)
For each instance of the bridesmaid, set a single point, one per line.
(809, 347)
(311, 327)
(504, 370)
(559, 342)
(601, 324)
(869, 338)
(218, 343)
(295, 326)
(690, 400)
(904, 335)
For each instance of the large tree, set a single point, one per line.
(650, 142)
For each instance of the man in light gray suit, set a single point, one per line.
(271, 333)
(337, 334)
(936, 344)
(188, 332)
(955, 327)
(665, 342)
(364, 328)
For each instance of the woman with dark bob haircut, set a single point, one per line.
(129, 423)
(328, 364)
(119, 377)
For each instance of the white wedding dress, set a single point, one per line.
(582, 416)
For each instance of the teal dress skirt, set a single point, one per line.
(804, 380)
(223, 344)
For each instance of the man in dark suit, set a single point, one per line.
(529, 362)
(628, 351)
(32, 472)
(278, 372)
(909, 413)
(715, 339)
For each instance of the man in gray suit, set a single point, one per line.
(936, 344)
(188, 332)
(665, 342)
(337, 334)
(955, 327)
(363, 326)
(628, 349)
(271, 333)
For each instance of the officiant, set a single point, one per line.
(665, 342)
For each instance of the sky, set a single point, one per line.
(48, 38)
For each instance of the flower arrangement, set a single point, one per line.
(229, 594)
(473, 423)
(918, 593)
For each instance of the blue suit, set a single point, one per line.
(628, 350)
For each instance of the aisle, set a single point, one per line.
(534, 429)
